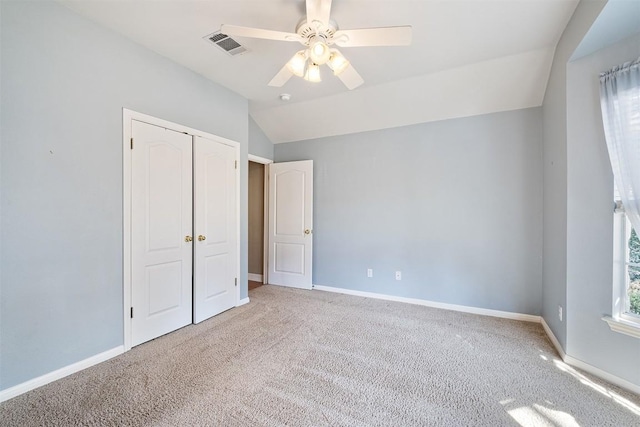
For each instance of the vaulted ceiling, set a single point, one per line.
(467, 57)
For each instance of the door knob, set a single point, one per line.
(188, 239)
(201, 238)
(307, 231)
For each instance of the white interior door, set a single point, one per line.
(161, 224)
(291, 223)
(215, 262)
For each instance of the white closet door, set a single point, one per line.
(291, 223)
(216, 245)
(161, 217)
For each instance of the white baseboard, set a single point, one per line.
(577, 363)
(34, 383)
(613, 379)
(553, 338)
(254, 277)
(433, 304)
(569, 360)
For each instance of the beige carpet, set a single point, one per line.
(310, 358)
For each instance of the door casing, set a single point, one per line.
(265, 249)
(265, 261)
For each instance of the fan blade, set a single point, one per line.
(281, 78)
(257, 33)
(381, 36)
(318, 10)
(351, 78)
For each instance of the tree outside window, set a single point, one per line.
(633, 289)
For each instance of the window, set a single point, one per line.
(620, 104)
(626, 276)
(632, 303)
(629, 264)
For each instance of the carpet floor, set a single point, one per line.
(311, 358)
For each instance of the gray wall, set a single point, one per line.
(455, 205)
(590, 220)
(259, 144)
(65, 82)
(554, 289)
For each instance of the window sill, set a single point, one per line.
(623, 326)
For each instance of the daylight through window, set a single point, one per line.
(632, 267)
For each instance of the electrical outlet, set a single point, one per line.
(369, 272)
(560, 312)
(398, 275)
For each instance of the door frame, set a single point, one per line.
(127, 117)
(265, 220)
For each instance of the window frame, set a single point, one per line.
(620, 320)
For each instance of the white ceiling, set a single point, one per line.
(467, 57)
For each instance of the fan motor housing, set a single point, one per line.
(307, 30)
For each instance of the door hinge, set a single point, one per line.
(132, 143)
(236, 282)
(236, 165)
(132, 312)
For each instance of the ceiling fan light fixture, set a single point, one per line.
(318, 33)
(312, 73)
(337, 62)
(298, 63)
(319, 51)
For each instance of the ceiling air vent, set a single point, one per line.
(226, 43)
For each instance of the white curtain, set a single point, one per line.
(620, 102)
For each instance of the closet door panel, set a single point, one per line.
(161, 216)
(215, 216)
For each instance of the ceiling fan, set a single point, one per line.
(318, 32)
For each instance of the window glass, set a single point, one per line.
(633, 273)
